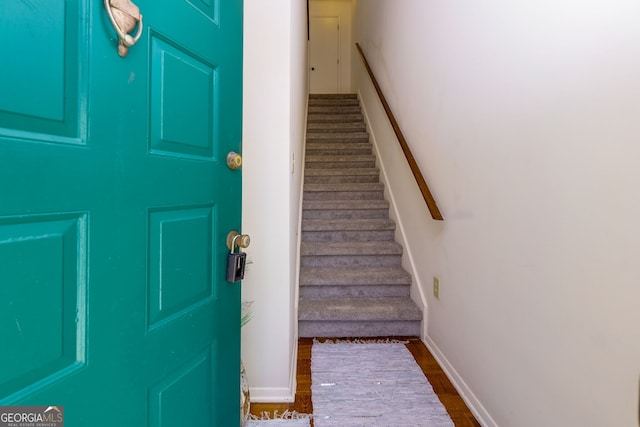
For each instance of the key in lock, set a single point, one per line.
(236, 261)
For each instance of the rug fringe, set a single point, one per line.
(286, 415)
(360, 341)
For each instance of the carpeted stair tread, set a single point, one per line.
(335, 118)
(346, 172)
(359, 328)
(345, 209)
(355, 126)
(336, 175)
(339, 140)
(333, 102)
(349, 248)
(334, 109)
(370, 212)
(332, 145)
(338, 136)
(371, 282)
(354, 291)
(348, 186)
(347, 224)
(380, 309)
(343, 191)
(362, 162)
(345, 204)
(342, 230)
(336, 179)
(340, 162)
(338, 149)
(348, 276)
(352, 260)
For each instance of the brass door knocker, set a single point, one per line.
(124, 16)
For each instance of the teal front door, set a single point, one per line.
(115, 204)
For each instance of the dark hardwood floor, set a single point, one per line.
(447, 394)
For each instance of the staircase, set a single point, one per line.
(352, 283)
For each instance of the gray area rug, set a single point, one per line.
(371, 384)
(287, 419)
(277, 423)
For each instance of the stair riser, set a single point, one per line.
(339, 151)
(345, 214)
(324, 145)
(350, 102)
(341, 164)
(339, 141)
(341, 138)
(336, 109)
(343, 195)
(342, 179)
(347, 236)
(342, 98)
(351, 261)
(334, 103)
(314, 96)
(314, 129)
(349, 171)
(344, 187)
(346, 162)
(336, 127)
(368, 291)
(320, 329)
(348, 277)
(335, 118)
(345, 172)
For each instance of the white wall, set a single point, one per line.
(273, 130)
(297, 135)
(524, 117)
(342, 9)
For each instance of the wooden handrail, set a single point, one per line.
(415, 169)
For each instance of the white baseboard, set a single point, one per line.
(417, 289)
(271, 395)
(475, 406)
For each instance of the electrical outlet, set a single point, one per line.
(436, 287)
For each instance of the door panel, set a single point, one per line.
(324, 48)
(181, 125)
(39, 250)
(35, 104)
(115, 205)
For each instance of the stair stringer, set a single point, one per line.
(418, 293)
